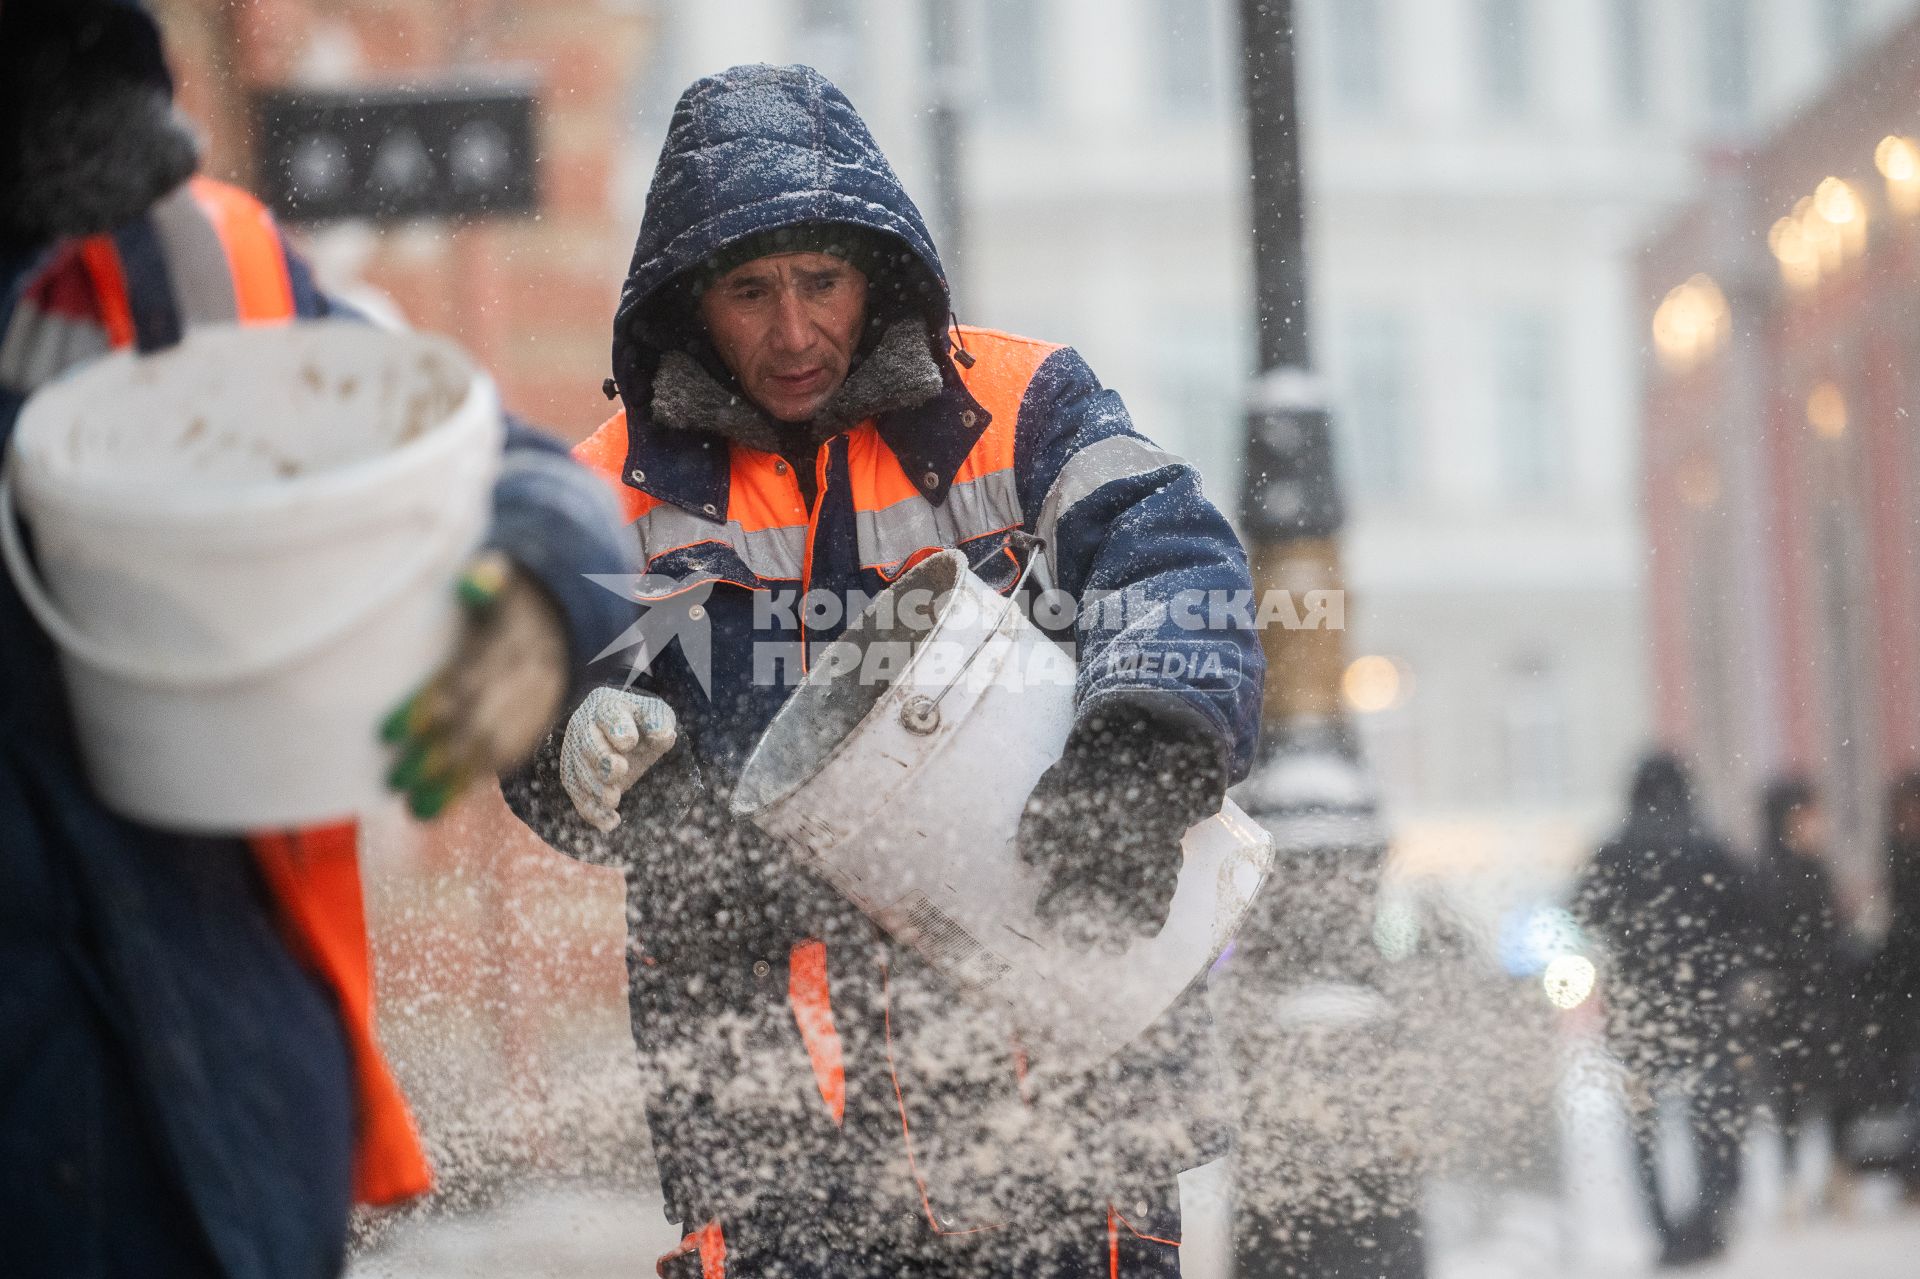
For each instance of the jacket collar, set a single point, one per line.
(691, 470)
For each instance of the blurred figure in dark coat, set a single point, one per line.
(1799, 956)
(1669, 904)
(1886, 1077)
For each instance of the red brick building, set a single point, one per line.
(532, 297)
(1781, 457)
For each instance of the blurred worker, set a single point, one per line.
(1669, 904)
(800, 417)
(1798, 954)
(189, 1083)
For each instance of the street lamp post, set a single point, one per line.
(946, 136)
(1299, 999)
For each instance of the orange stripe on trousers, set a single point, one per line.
(813, 1012)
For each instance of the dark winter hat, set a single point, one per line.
(867, 250)
(54, 35)
(88, 138)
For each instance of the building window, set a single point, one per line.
(1630, 58)
(1392, 743)
(1533, 733)
(1729, 60)
(1846, 646)
(1200, 354)
(1184, 31)
(1015, 58)
(829, 39)
(1505, 41)
(1375, 408)
(831, 14)
(1526, 409)
(1839, 24)
(1358, 50)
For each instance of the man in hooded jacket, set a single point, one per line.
(189, 1083)
(800, 419)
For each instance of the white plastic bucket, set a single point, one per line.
(898, 771)
(245, 548)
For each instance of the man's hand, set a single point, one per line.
(489, 706)
(1105, 821)
(612, 740)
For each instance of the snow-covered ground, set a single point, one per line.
(570, 1233)
(1588, 1226)
(562, 1232)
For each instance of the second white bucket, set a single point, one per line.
(898, 772)
(245, 548)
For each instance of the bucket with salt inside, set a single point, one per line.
(244, 548)
(898, 770)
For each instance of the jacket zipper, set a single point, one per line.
(821, 461)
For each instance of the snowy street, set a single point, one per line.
(571, 1234)
(1594, 1232)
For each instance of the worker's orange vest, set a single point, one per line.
(314, 875)
(766, 520)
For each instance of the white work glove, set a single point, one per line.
(614, 737)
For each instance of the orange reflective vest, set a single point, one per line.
(768, 527)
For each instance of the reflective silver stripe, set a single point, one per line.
(197, 265)
(39, 346)
(767, 552)
(972, 509)
(1094, 467)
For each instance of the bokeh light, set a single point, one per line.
(1373, 684)
(1569, 980)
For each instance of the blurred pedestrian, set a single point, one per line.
(189, 1082)
(1798, 957)
(1667, 902)
(1887, 1080)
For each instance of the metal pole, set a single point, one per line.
(1273, 143)
(946, 137)
(1300, 1003)
(1291, 505)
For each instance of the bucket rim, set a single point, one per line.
(750, 804)
(104, 498)
(242, 528)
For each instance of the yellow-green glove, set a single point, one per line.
(488, 707)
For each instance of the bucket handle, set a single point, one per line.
(920, 714)
(180, 675)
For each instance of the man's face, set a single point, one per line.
(786, 327)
